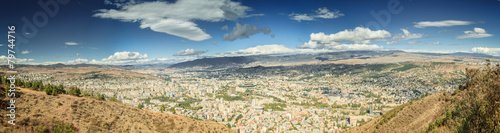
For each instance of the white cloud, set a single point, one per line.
(129, 58)
(225, 27)
(78, 61)
(135, 62)
(25, 52)
(278, 49)
(4, 60)
(430, 51)
(413, 42)
(244, 31)
(430, 44)
(327, 14)
(124, 57)
(71, 43)
(477, 33)
(359, 35)
(444, 23)
(301, 17)
(391, 42)
(273, 49)
(177, 18)
(357, 47)
(213, 42)
(406, 35)
(488, 51)
(163, 60)
(176, 27)
(323, 13)
(264, 49)
(189, 52)
(119, 3)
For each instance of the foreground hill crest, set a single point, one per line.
(39, 112)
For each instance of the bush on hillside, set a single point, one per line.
(477, 108)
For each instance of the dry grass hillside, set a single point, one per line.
(410, 117)
(39, 112)
(472, 107)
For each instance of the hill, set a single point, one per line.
(39, 112)
(217, 62)
(273, 60)
(473, 107)
(410, 117)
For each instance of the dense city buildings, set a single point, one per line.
(330, 100)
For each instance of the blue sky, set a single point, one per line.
(141, 32)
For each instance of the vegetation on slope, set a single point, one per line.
(475, 105)
(37, 111)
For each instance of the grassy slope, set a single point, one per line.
(36, 110)
(410, 117)
(474, 107)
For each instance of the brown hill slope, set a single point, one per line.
(37, 111)
(473, 107)
(410, 117)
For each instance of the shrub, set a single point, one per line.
(87, 94)
(59, 128)
(101, 97)
(6, 92)
(75, 91)
(48, 90)
(475, 106)
(113, 99)
(140, 106)
(162, 108)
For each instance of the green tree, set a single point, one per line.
(6, 92)
(101, 97)
(113, 99)
(48, 90)
(75, 91)
(140, 106)
(27, 84)
(162, 108)
(19, 82)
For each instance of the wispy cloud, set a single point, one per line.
(278, 49)
(244, 31)
(406, 35)
(477, 33)
(71, 43)
(4, 60)
(488, 51)
(391, 42)
(25, 52)
(359, 35)
(78, 61)
(431, 44)
(322, 13)
(178, 18)
(444, 23)
(189, 52)
(413, 42)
